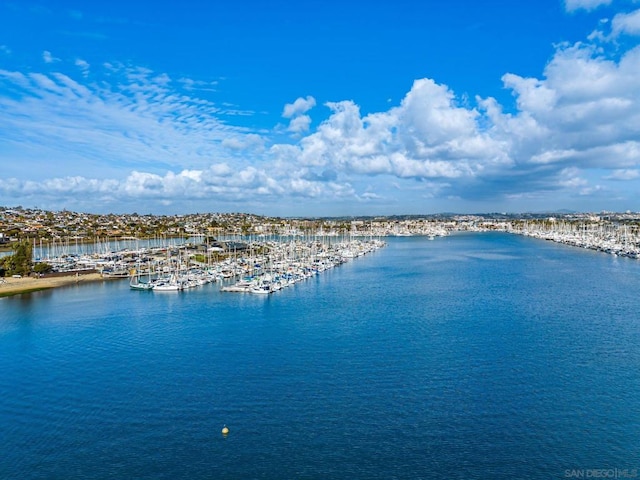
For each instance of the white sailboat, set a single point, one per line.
(136, 284)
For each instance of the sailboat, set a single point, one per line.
(135, 283)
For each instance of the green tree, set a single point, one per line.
(42, 267)
(21, 261)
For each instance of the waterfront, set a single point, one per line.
(471, 356)
(18, 286)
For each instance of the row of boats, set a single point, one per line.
(614, 243)
(278, 266)
(173, 282)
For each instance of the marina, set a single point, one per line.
(619, 240)
(259, 267)
(263, 267)
(266, 263)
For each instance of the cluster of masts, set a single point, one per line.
(617, 240)
(280, 264)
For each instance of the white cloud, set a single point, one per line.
(429, 114)
(427, 136)
(48, 57)
(585, 101)
(532, 94)
(573, 5)
(623, 175)
(249, 141)
(584, 113)
(295, 111)
(200, 85)
(139, 119)
(627, 23)
(298, 107)
(82, 65)
(300, 124)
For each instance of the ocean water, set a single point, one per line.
(475, 356)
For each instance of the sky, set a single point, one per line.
(320, 107)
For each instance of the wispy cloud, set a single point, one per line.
(624, 175)
(573, 5)
(48, 57)
(198, 85)
(136, 119)
(83, 65)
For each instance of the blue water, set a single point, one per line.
(476, 356)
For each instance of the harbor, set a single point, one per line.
(288, 264)
(254, 267)
(614, 239)
(258, 267)
(261, 256)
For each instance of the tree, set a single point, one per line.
(21, 261)
(42, 267)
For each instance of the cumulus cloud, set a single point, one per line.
(299, 122)
(626, 23)
(427, 136)
(298, 107)
(582, 113)
(585, 101)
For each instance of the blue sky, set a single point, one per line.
(320, 108)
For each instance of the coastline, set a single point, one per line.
(17, 286)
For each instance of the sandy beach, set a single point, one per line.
(15, 286)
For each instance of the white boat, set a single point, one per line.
(136, 284)
(166, 287)
(265, 288)
(170, 284)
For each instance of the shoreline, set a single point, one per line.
(17, 286)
